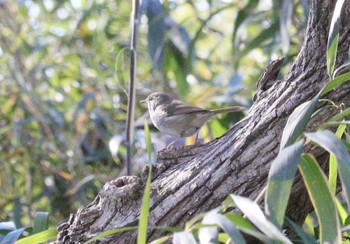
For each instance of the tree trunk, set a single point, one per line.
(194, 179)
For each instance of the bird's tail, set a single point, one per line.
(233, 109)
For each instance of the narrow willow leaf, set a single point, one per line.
(208, 234)
(332, 144)
(297, 122)
(119, 67)
(336, 82)
(111, 232)
(342, 211)
(9, 226)
(183, 238)
(40, 237)
(322, 199)
(280, 180)
(148, 141)
(333, 165)
(224, 223)
(305, 237)
(340, 115)
(333, 38)
(193, 221)
(143, 222)
(13, 236)
(223, 238)
(253, 212)
(41, 222)
(343, 66)
(161, 240)
(246, 227)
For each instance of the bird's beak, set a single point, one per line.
(143, 101)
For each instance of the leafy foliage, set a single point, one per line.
(37, 234)
(280, 181)
(64, 68)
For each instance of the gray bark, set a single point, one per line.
(194, 179)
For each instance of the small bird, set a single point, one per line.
(176, 118)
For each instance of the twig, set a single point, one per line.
(131, 98)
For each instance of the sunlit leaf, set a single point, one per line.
(331, 143)
(253, 212)
(333, 165)
(144, 213)
(322, 199)
(111, 232)
(333, 38)
(183, 238)
(40, 237)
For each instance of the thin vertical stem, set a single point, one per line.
(131, 99)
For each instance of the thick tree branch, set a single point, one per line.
(191, 180)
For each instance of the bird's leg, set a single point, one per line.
(195, 141)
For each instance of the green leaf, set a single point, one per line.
(253, 212)
(223, 238)
(183, 238)
(280, 180)
(8, 226)
(13, 236)
(216, 128)
(119, 67)
(240, 221)
(322, 199)
(333, 165)
(340, 115)
(297, 122)
(225, 224)
(111, 232)
(41, 222)
(143, 222)
(40, 237)
(341, 211)
(161, 240)
(246, 227)
(148, 141)
(193, 221)
(332, 144)
(305, 237)
(336, 82)
(333, 38)
(208, 234)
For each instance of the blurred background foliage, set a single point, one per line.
(64, 68)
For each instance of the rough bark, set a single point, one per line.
(191, 180)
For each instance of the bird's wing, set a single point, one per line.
(179, 108)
